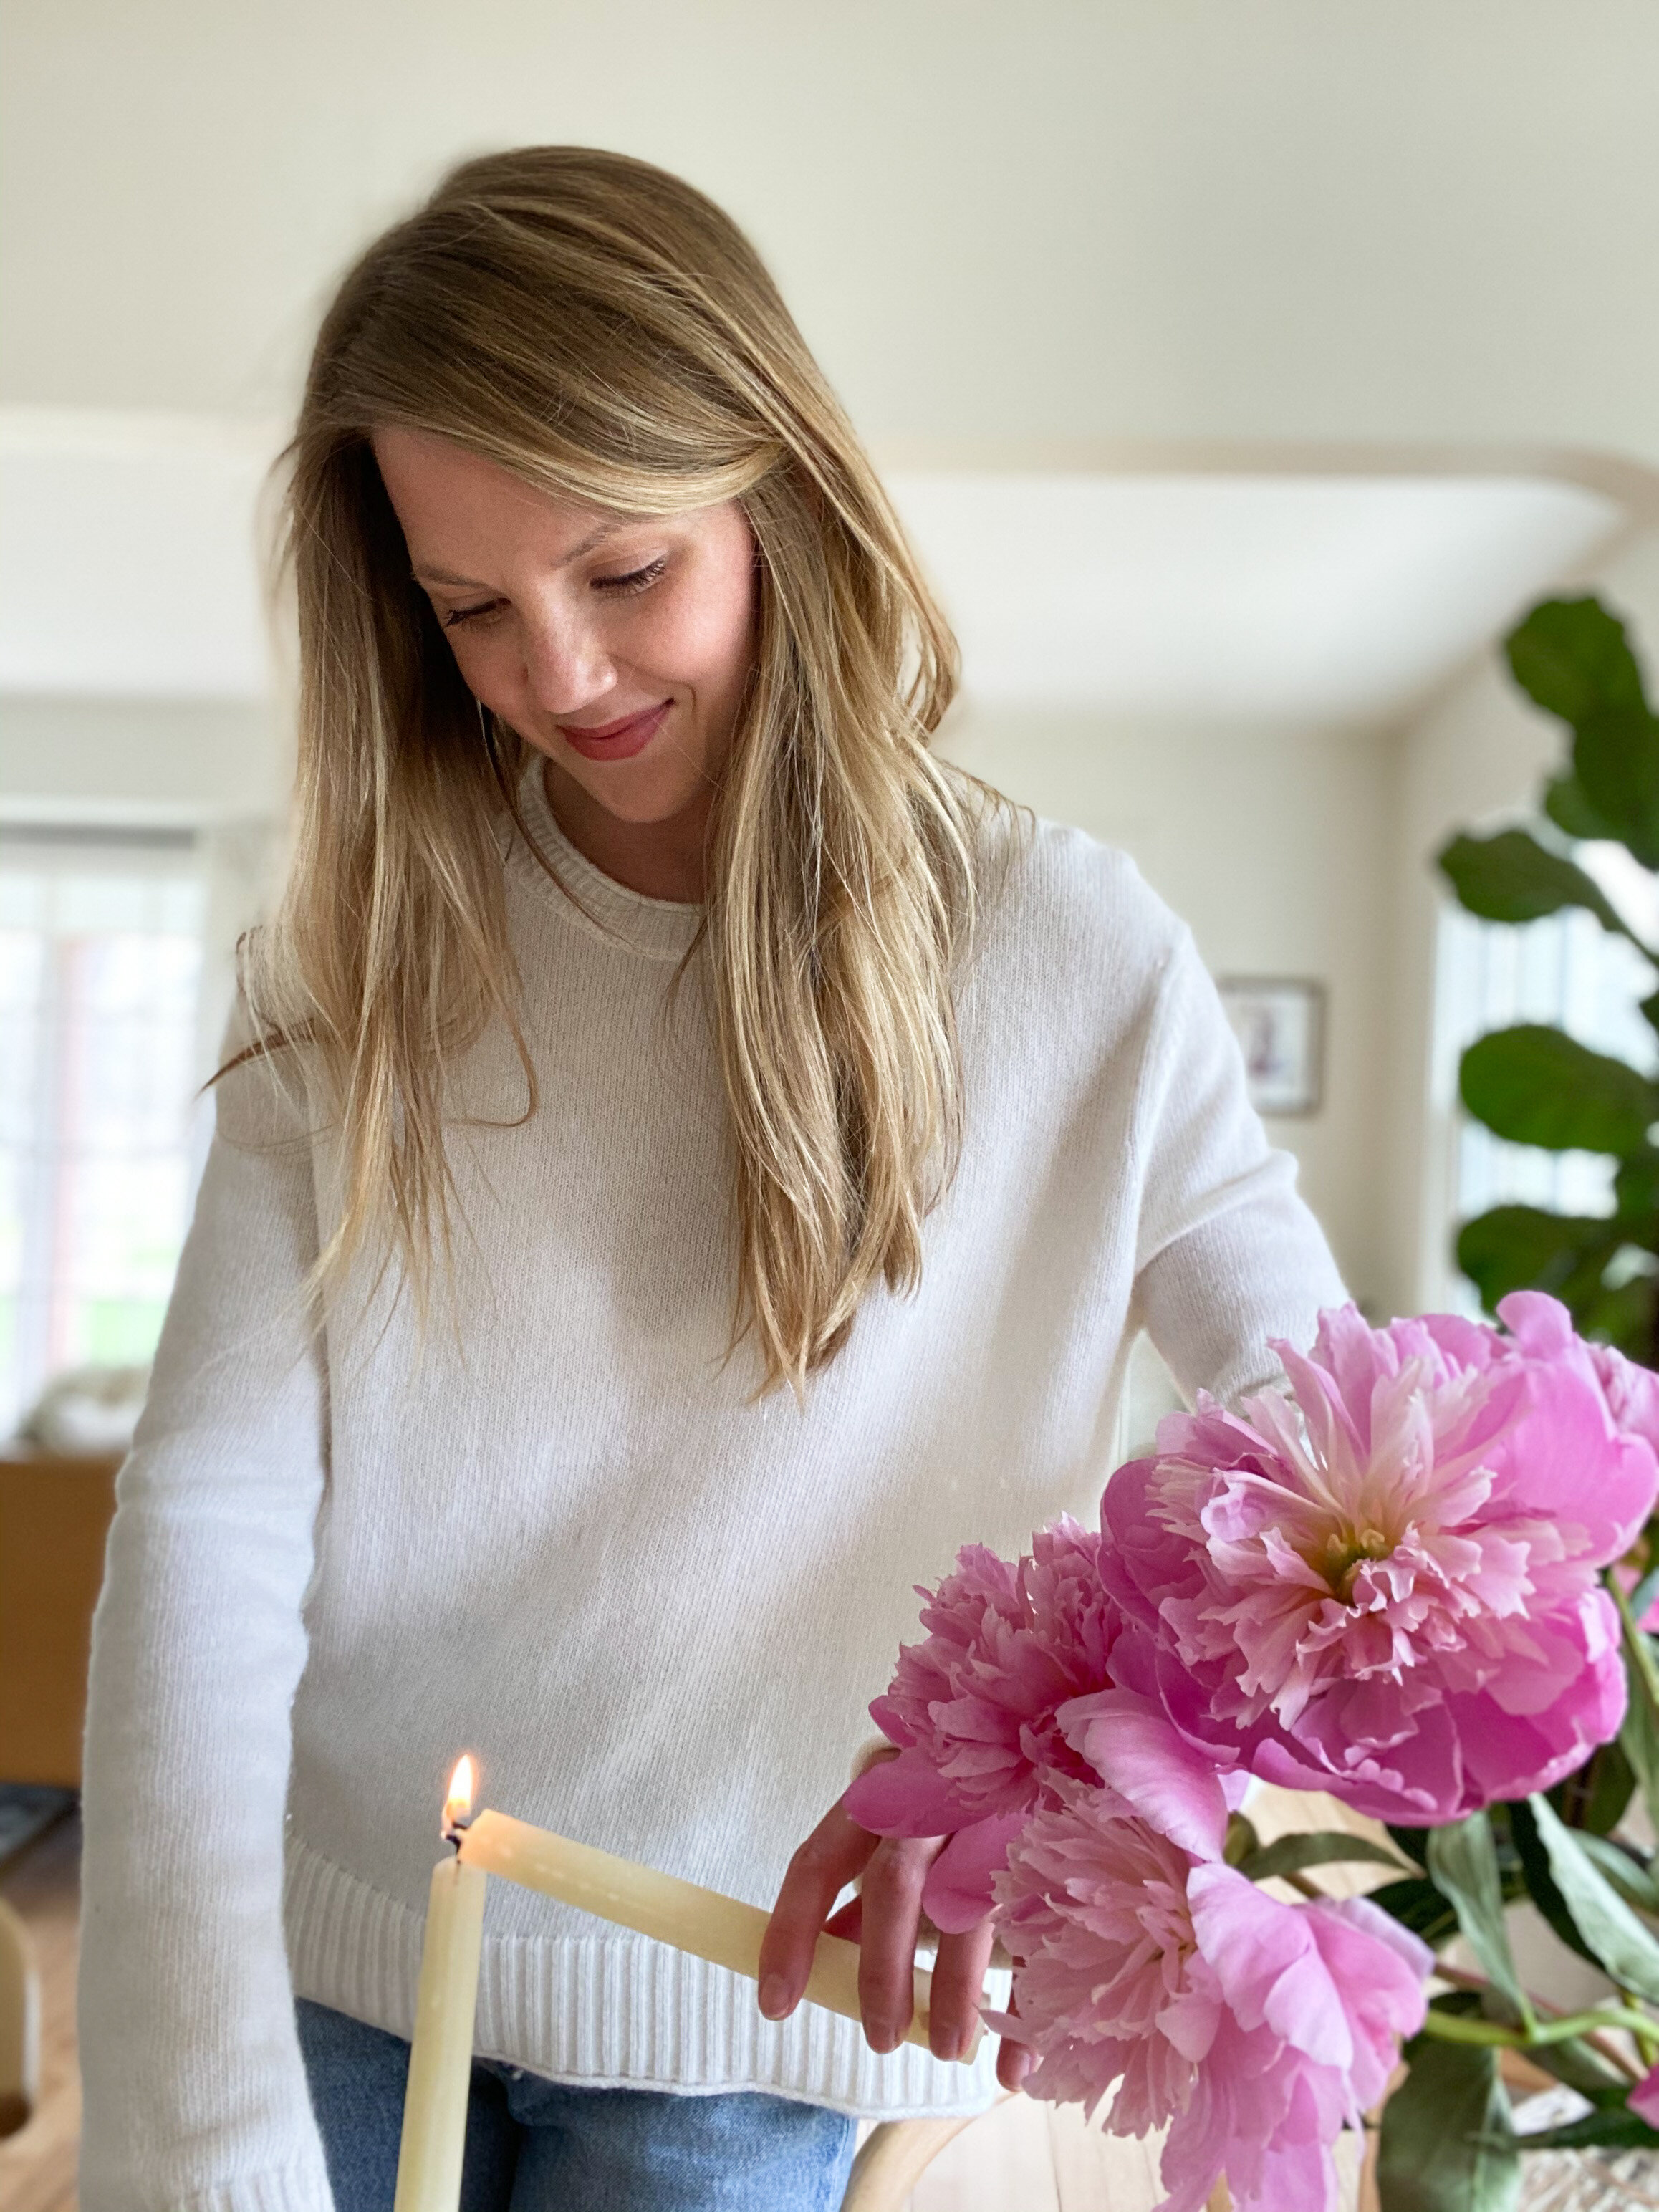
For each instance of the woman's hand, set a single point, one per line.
(884, 1921)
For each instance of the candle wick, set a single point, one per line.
(454, 1829)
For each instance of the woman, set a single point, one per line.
(687, 1163)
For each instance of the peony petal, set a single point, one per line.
(1269, 1967)
(957, 1894)
(904, 1797)
(1643, 2098)
(1132, 1745)
(1540, 1324)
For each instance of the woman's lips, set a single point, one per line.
(617, 740)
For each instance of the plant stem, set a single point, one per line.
(1601, 2045)
(1458, 2027)
(1645, 2044)
(1638, 1645)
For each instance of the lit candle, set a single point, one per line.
(700, 1921)
(440, 2059)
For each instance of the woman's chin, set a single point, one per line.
(636, 791)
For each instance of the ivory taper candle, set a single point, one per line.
(700, 1921)
(440, 2057)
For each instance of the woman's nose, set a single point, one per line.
(567, 666)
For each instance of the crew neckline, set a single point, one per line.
(661, 929)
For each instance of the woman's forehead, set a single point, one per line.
(454, 504)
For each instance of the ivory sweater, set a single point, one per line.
(562, 1536)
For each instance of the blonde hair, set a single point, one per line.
(606, 333)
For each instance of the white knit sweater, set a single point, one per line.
(564, 1536)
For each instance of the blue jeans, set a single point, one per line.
(538, 2146)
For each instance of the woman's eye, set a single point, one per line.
(638, 580)
(456, 618)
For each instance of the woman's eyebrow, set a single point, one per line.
(471, 584)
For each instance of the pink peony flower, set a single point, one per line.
(1257, 2029)
(1633, 1396)
(974, 1709)
(1631, 1392)
(1386, 1585)
(1643, 2098)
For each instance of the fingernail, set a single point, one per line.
(775, 1997)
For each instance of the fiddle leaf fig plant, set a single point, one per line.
(1532, 1084)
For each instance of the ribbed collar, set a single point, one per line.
(661, 929)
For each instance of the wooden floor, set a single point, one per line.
(42, 1884)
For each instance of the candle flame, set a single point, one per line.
(457, 1806)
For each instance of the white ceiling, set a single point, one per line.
(1285, 598)
(127, 569)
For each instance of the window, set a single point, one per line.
(101, 975)
(1565, 970)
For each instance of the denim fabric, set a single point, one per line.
(537, 2146)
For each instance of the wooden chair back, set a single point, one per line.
(20, 2023)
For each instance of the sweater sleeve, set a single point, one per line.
(1228, 1255)
(196, 2098)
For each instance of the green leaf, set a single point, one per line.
(1627, 1950)
(1541, 1883)
(1632, 1879)
(1615, 763)
(1447, 2141)
(1413, 1843)
(1636, 1188)
(1622, 1315)
(1463, 1866)
(1536, 1086)
(1565, 805)
(1577, 2064)
(1522, 1248)
(1571, 657)
(1594, 1798)
(1326, 1847)
(1419, 1906)
(1512, 877)
(1616, 2128)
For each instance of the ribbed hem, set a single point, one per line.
(611, 2011)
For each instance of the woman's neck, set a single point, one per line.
(659, 860)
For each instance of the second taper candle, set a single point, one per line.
(722, 1930)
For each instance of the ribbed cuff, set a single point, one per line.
(301, 2188)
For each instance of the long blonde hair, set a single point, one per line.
(606, 333)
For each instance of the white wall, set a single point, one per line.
(1058, 219)
(1277, 848)
(185, 761)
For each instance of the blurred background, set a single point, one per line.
(1241, 370)
(1242, 367)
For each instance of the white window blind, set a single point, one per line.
(101, 976)
(1565, 970)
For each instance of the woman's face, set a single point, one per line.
(618, 647)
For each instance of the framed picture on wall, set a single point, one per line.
(1280, 1023)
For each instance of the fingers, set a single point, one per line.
(1014, 2060)
(958, 1986)
(891, 1895)
(835, 1852)
(847, 1923)
(884, 1921)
